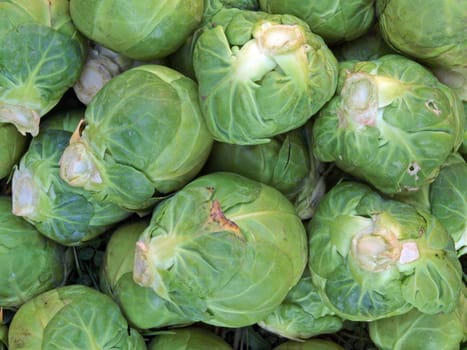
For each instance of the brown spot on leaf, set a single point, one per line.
(217, 215)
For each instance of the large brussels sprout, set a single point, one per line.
(312, 344)
(68, 215)
(432, 31)
(373, 257)
(391, 123)
(417, 330)
(191, 338)
(142, 307)
(260, 75)
(143, 136)
(29, 262)
(12, 147)
(286, 163)
(302, 314)
(334, 21)
(226, 247)
(73, 317)
(463, 148)
(141, 30)
(41, 56)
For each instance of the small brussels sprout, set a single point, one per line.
(138, 29)
(312, 344)
(142, 307)
(334, 21)
(143, 137)
(446, 198)
(417, 330)
(286, 163)
(29, 262)
(391, 123)
(68, 215)
(373, 257)
(226, 247)
(12, 147)
(302, 314)
(73, 317)
(41, 55)
(431, 31)
(260, 75)
(191, 338)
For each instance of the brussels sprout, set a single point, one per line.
(12, 147)
(286, 163)
(373, 257)
(416, 330)
(142, 307)
(446, 198)
(143, 136)
(369, 46)
(260, 75)
(312, 344)
(391, 123)
(29, 262)
(302, 314)
(432, 31)
(334, 21)
(138, 29)
(68, 215)
(72, 317)
(41, 55)
(191, 338)
(226, 247)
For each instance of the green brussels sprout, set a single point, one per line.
(446, 198)
(286, 163)
(191, 338)
(334, 21)
(369, 46)
(391, 123)
(431, 31)
(373, 257)
(417, 330)
(68, 215)
(41, 55)
(12, 147)
(302, 314)
(226, 247)
(29, 262)
(72, 317)
(63, 120)
(143, 137)
(138, 29)
(312, 344)
(260, 75)
(142, 307)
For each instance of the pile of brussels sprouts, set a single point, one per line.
(233, 174)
